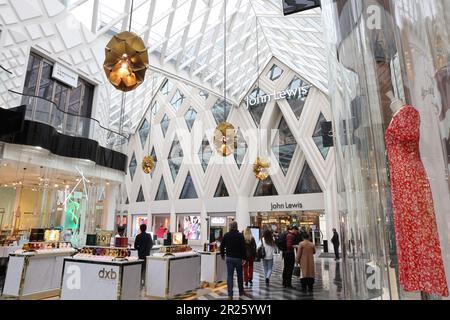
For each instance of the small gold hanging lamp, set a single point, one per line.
(225, 139)
(148, 164)
(261, 169)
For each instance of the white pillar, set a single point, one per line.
(173, 219)
(204, 226)
(331, 210)
(242, 213)
(110, 207)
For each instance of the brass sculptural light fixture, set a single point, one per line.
(261, 166)
(148, 164)
(126, 59)
(225, 138)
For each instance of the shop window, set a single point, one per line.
(221, 111)
(257, 101)
(298, 93)
(275, 73)
(284, 146)
(165, 124)
(140, 197)
(76, 101)
(318, 137)
(133, 166)
(155, 158)
(266, 188)
(175, 158)
(204, 95)
(308, 182)
(161, 194)
(241, 149)
(177, 100)
(143, 132)
(190, 226)
(205, 153)
(221, 191)
(166, 88)
(190, 117)
(188, 191)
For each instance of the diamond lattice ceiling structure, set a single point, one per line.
(185, 39)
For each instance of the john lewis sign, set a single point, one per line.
(301, 92)
(276, 206)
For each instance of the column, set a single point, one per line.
(242, 213)
(110, 207)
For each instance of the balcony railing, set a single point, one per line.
(47, 112)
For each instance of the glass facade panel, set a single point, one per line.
(266, 188)
(257, 102)
(221, 190)
(318, 137)
(166, 88)
(165, 124)
(241, 149)
(177, 100)
(175, 158)
(307, 182)
(190, 117)
(299, 91)
(140, 197)
(275, 73)
(205, 153)
(161, 194)
(221, 111)
(284, 146)
(143, 132)
(188, 191)
(133, 166)
(155, 158)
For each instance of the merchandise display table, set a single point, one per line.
(214, 269)
(101, 278)
(35, 275)
(171, 275)
(6, 251)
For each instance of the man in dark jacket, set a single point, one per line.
(143, 244)
(233, 247)
(336, 243)
(289, 257)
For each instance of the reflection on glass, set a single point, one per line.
(266, 188)
(161, 194)
(177, 100)
(190, 117)
(205, 153)
(132, 167)
(140, 197)
(165, 124)
(221, 190)
(221, 111)
(307, 182)
(257, 101)
(175, 158)
(298, 92)
(318, 137)
(188, 191)
(275, 73)
(143, 132)
(241, 150)
(284, 146)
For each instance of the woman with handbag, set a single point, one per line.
(250, 248)
(305, 257)
(266, 252)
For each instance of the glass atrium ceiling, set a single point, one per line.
(185, 39)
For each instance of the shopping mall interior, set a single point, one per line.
(327, 120)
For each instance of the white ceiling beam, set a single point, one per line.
(186, 33)
(168, 30)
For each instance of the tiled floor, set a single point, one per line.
(328, 285)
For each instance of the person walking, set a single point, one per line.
(269, 248)
(305, 257)
(143, 244)
(289, 257)
(233, 249)
(250, 255)
(336, 244)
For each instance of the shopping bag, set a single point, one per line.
(296, 272)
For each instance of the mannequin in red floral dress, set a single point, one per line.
(420, 261)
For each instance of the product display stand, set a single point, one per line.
(35, 275)
(100, 279)
(170, 275)
(213, 268)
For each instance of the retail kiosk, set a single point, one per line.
(102, 273)
(213, 268)
(173, 271)
(36, 274)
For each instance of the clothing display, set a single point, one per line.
(420, 261)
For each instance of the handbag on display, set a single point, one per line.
(296, 272)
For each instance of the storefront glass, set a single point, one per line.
(161, 225)
(384, 54)
(190, 225)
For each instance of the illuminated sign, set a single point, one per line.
(218, 221)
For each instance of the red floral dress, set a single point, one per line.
(420, 261)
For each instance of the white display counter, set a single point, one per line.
(214, 269)
(35, 275)
(169, 276)
(6, 251)
(101, 279)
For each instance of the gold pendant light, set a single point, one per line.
(261, 169)
(126, 61)
(225, 139)
(148, 164)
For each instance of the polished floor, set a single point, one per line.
(328, 285)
